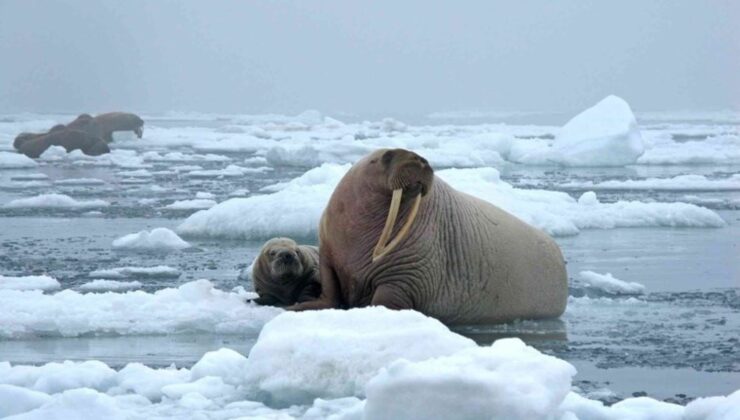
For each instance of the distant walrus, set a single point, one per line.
(455, 257)
(285, 273)
(111, 122)
(69, 139)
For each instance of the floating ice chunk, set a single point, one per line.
(603, 135)
(53, 378)
(205, 195)
(555, 212)
(9, 160)
(197, 204)
(229, 171)
(29, 283)
(677, 183)
(80, 181)
(159, 271)
(109, 285)
(255, 216)
(333, 353)
(78, 404)
(208, 387)
(48, 201)
(714, 408)
(139, 173)
(156, 239)
(506, 380)
(719, 150)
(223, 363)
(16, 400)
(149, 382)
(607, 283)
(30, 177)
(191, 308)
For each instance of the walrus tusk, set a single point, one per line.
(381, 248)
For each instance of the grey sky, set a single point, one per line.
(371, 57)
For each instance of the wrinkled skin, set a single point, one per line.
(463, 260)
(285, 273)
(69, 139)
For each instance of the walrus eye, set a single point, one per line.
(388, 157)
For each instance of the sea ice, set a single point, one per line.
(159, 271)
(10, 160)
(49, 201)
(109, 285)
(333, 353)
(677, 183)
(555, 212)
(196, 204)
(191, 308)
(608, 284)
(28, 283)
(156, 239)
(603, 135)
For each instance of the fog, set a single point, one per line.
(387, 57)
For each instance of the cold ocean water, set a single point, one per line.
(669, 221)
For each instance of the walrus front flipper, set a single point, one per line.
(267, 300)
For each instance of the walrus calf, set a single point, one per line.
(285, 273)
(455, 257)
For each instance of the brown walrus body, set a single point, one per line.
(35, 145)
(456, 258)
(285, 273)
(108, 123)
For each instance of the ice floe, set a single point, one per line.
(375, 363)
(555, 212)
(101, 285)
(191, 308)
(52, 201)
(28, 283)
(610, 285)
(157, 239)
(11, 160)
(677, 183)
(196, 204)
(159, 271)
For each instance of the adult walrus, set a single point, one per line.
(36, 145)
(454, 257)
(111, 122)
(285, 273)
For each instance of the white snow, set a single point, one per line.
(159, 271)
(603, 135)
(109, 285)
(10, 160)
(193, 307)
(406, 365)
(196, 204)
(715, 150)
(157, 239)
(555, 212)
(333, 353)
(229, 171)
(608, 284)
(29, 283)
(48, 201)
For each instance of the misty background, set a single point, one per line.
(380, 57)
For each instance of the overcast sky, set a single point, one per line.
(367, 57)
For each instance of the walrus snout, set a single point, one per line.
(408, 171)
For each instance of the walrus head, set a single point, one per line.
(404, 175)
(282, 257)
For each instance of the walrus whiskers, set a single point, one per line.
(382, 249)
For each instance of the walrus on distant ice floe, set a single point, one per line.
(285, 273)
(35, 145)
(450, 256)
(111, 122)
